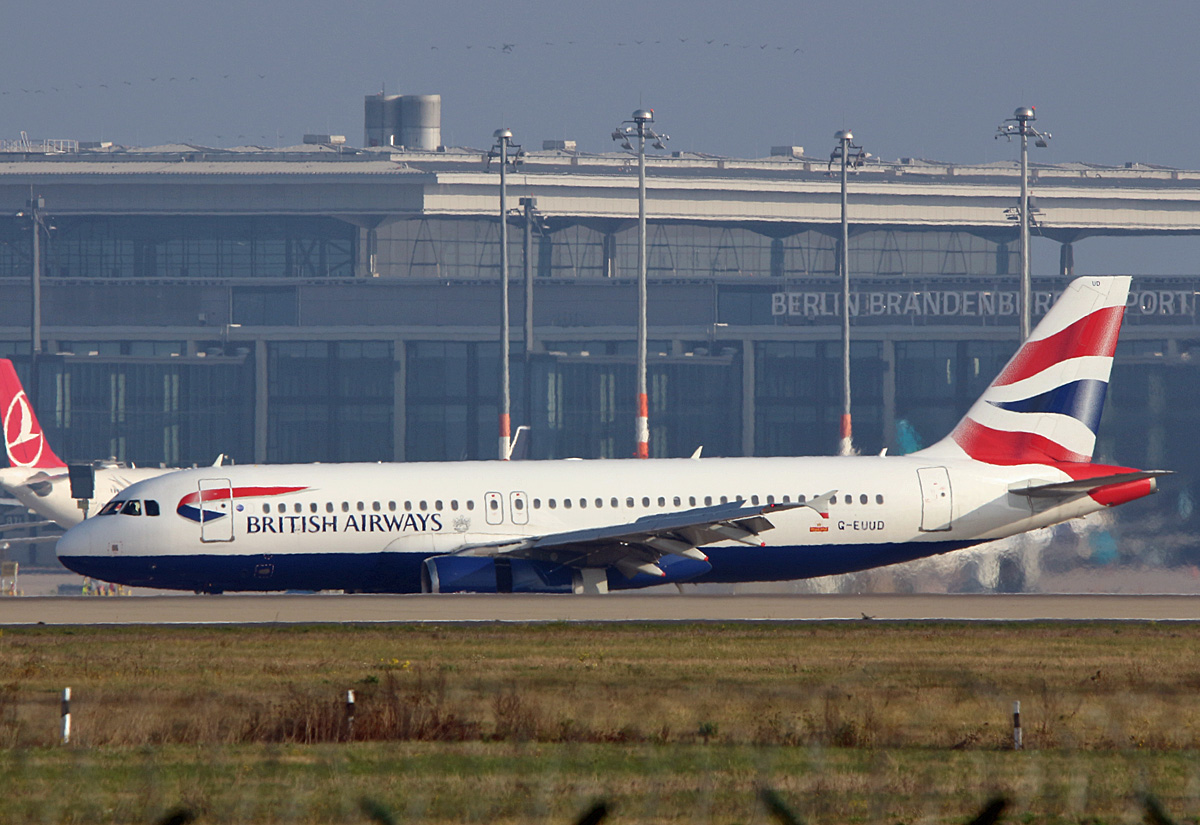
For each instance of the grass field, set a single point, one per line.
(851, 722)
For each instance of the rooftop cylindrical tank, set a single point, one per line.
(421, 121)
(381, 119)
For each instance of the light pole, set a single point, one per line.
(849, 153)
(1021, 124)
(34, 207)
(639, 127)
(501, 150)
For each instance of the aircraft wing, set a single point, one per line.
(26, 525)
(1063, 489)
(635, 547)
(11, 540)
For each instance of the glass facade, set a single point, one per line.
(588, 407)
(330, 401)
(467, 249)
(175, 413)
(184, 247)
(937, 381)
(798, 397)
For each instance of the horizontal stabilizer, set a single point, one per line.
(1063, 489)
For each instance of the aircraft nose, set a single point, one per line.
(80, 540)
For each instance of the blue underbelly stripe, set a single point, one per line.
(401, 572)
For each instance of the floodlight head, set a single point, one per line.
(627, 145)
(844, 134)
(658, 144)
(644, 115)
(1041, 142)
(1024, 113)
(503, 134)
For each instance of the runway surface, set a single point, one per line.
(658, 607)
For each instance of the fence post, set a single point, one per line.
(349, 714)
(1016, 726)
(66, 716)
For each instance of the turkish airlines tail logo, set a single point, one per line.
(23, 437)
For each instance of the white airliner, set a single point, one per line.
(1019, 460)
(36, 477)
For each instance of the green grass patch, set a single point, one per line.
(851, 722)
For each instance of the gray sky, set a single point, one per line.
(928, 78)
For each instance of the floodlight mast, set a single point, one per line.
(849, 153)
(1021, 124)
(639, 126)
(501, 150)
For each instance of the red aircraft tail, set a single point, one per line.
(23, 437)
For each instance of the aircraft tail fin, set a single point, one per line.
(23, 437)
(1045, 405)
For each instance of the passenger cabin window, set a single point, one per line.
(677, 501)
(376, 506)
(691, 501)
(879, 499)
(151, 507)
(862, 499)
(599, 502)
(707, 501)
(567, 503)
(849, 498)
(645, 501)
(754, 500)
(133, 507)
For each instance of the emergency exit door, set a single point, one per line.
(937, 500)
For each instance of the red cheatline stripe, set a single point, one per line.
(238, 492)
(1007, 448)
(1095, 334)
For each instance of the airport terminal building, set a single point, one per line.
(327, 303)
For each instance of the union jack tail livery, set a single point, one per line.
(23, 437)
(1045, 406)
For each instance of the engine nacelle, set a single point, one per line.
(482, 574)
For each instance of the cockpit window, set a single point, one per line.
(110, 508)
(151, 507)
(133, 507)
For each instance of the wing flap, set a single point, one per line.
(636, 547)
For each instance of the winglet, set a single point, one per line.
(821, 503)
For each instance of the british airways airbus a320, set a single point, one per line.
(1020, 459)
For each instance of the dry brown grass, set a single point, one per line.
(1082, 686)
(852, 722)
